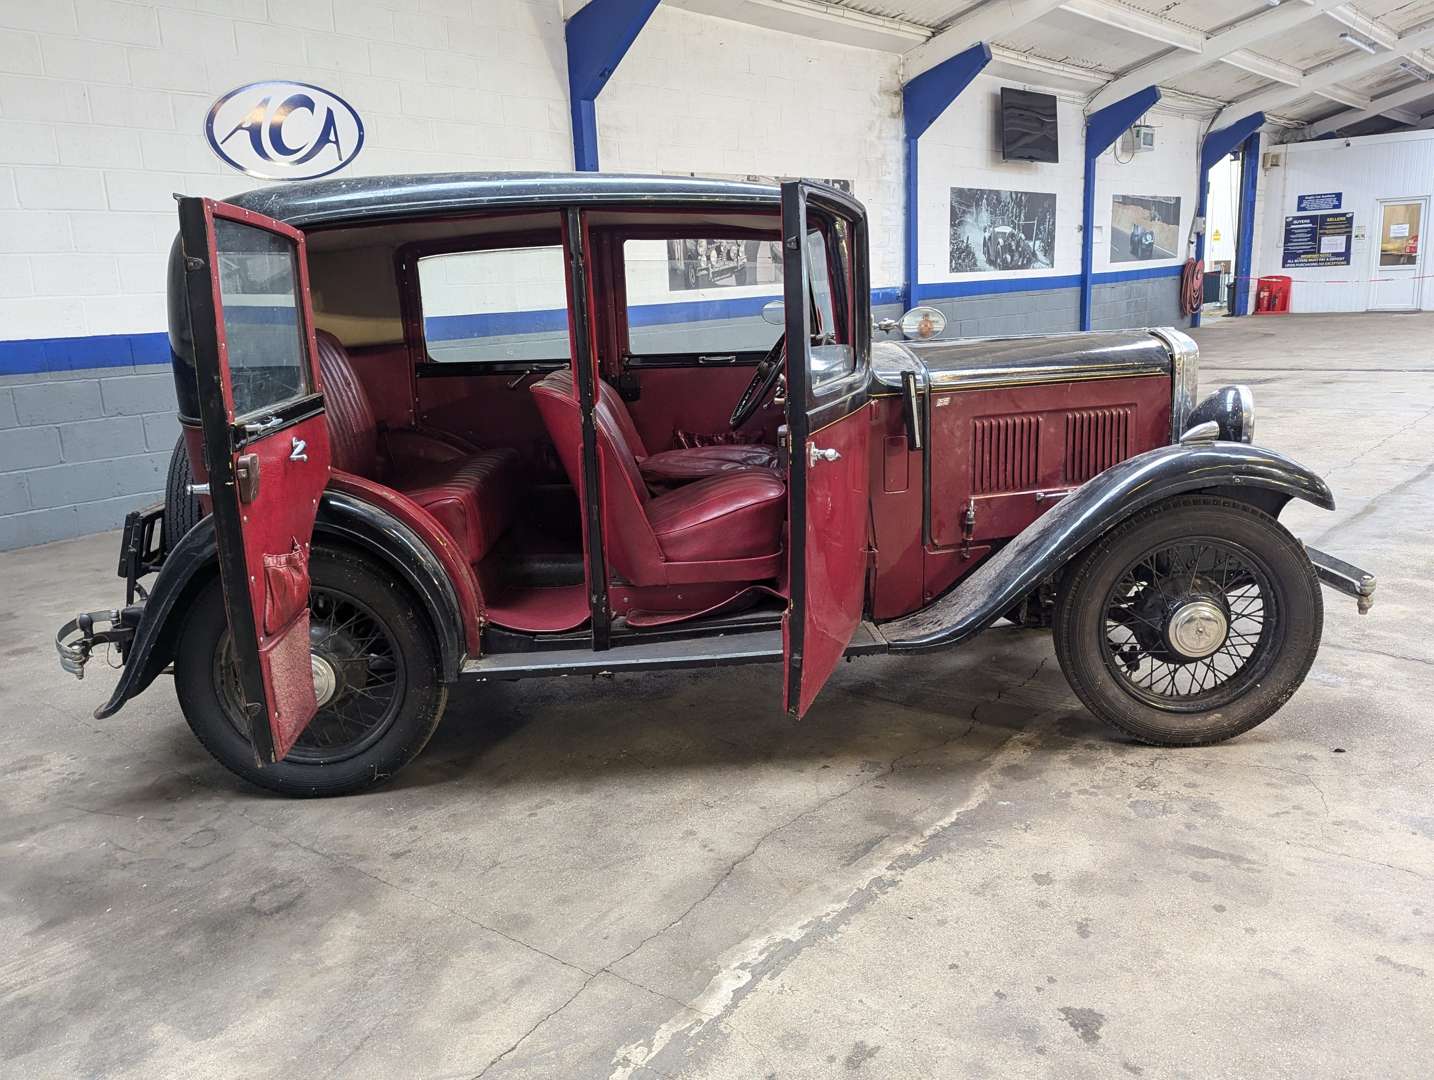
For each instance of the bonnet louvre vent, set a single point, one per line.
(1096, 439)
(1003, 453)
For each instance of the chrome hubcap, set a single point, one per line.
(1197, 628)
(326, 679)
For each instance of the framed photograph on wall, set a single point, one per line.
(1144, 227)
(994, 229)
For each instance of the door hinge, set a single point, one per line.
(968, 529)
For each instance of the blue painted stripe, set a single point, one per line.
(40, 355)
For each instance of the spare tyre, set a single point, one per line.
(181, 509)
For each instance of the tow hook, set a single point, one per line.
(75, 654)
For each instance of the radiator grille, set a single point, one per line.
(1003, 453)
(1096, 439)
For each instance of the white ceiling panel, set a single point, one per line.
(1081, 42)
(1221, 82)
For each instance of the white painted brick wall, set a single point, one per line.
(705, 95)
(963, 149)
(102, 105)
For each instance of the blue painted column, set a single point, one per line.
(1245, 238)
(597, 37)
(1101, 129)
(1215, 146)
(923, 99)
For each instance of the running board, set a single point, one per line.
(754, 647)
(1343, 577)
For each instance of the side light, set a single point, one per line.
(1232, 409)
(921, 323)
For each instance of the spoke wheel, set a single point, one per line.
(1189, 625)
(376, 671)
(358, 679)
(1190, 622)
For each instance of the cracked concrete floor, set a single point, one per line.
(948, 870)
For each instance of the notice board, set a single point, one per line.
(1318, 239)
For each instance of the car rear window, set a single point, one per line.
(493, 306)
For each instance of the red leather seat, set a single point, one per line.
(471, 492)
(725, 527)
(668, 467)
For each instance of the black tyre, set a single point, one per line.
(376, 671)
(181, 509)
(1190, 623)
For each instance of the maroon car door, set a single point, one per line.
(266, 448)
(827, 303)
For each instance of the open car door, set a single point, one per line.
(266, 449)
(827, 303)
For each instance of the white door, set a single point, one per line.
(1398, 255)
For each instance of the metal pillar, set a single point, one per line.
(1215, 146)
(1101, 129)
(597, 37)
(1245, 229)
(923, 99)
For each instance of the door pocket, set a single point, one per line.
(286, 588)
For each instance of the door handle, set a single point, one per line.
(246, 477)
(816, 454)
(262, 427)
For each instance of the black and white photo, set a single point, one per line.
(994, 229)
(1144, 227)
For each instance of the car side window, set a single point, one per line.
(263, 330)
(700, 296)
(832, 357)
(494, 306)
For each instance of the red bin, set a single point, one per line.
(1273, 295)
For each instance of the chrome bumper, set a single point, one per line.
(1344, 577)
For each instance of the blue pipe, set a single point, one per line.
(1101, 129)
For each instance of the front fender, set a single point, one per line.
(342, 517)
(1092, 509)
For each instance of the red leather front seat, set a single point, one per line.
(471, 492)
(668, 467)
(725, 527)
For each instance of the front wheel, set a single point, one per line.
(376, 678)
(1190, 623)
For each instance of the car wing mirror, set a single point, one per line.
(775, 312)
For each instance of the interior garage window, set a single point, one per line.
(705, 296)
(493, 306)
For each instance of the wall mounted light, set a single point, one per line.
(1358, 43)
(1418, 72)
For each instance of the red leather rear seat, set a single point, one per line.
(471, 492)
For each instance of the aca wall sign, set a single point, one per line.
(284, 130)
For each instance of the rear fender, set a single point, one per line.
(1253, 474)
(343, 518)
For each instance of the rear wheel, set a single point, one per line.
(1190, 623)
(376, 677)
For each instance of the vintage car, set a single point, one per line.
(455, 427)
(1142, 242)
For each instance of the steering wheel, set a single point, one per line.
(764, 379)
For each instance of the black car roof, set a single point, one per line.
(308, 204)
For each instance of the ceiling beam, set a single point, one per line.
(989, 21)
(1338, 71)
(1136, 22)
(1264, 67)
(1364, 26)
(1217, 46)
(1379, 107)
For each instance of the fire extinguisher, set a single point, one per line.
(1263, 303)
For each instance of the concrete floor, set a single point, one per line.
(947, 870)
